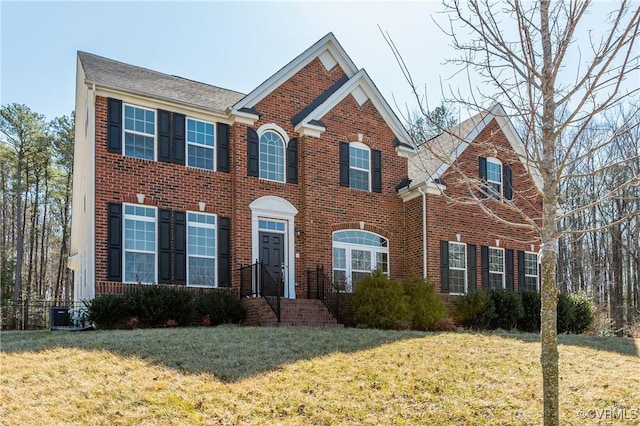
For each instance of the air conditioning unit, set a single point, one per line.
(59, 317)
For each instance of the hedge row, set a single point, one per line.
(156, 306)
(390, 304)
(490, 310)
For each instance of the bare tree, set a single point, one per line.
(555, 78)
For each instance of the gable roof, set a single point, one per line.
(115, 75)
(327, 49)
(362, 88)
(438, 153)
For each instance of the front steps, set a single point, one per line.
(293, 313)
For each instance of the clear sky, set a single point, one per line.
(235, 45)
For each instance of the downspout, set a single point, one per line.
(424, 233)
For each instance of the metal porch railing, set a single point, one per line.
(257, 281)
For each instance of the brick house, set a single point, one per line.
(293, 190)
(476, 202)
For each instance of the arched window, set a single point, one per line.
(355, 254)
(272, 149)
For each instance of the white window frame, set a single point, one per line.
(126, 217)
(496, 194)
(502, 273)
(199, 145)
(452, 268)
(262, 130)
(349, 247)
(537, 275)
(133, 132)
(215, 247)
(363, 147)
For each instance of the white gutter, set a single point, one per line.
(424, 232)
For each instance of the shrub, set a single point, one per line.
(583, 314)
(426, 307)
(474, 310)
(445, 324)
(508, 309)
(155, 305)
(107, 310)
(530, 320)
(218, 307)
(566, 313)
(380, 302)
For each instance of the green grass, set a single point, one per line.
(297, 376)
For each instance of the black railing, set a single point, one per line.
(321, 287)
(30, 314)
(257, 281)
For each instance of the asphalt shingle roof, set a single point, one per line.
(117, 75)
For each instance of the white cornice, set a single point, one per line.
(168, 104)
(429, 188)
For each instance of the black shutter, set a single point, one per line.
(114, 242)
(472, 274)
(180, 252)
(253, 153)
(224, 252)
(376, 159)
(164, 246)
(521, 277)
(179, 136)
(444, 266)
(509, 267)
(114, 125)
(222, 152)
(292, 161)
(344, 164)
(484, 262)
(484, 188)
(164, 135)
(507, 182)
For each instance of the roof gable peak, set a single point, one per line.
(328, 50)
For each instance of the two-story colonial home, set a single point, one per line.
(295, 190)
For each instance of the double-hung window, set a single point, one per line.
(530, 271)
(201, 249)
(272, 156)
(139, 132)
(359, 166)
(200, 144)
(139, 244)
(355, 254)
(494, 178)
(496, 268)
(457, 268)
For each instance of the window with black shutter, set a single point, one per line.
(114, 125)
(114, 242)
(292, 161)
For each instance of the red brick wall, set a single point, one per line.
(165, 185)
(324, 206)
(447, 217)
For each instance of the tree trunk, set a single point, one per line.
(549, 289)
(17, 284)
